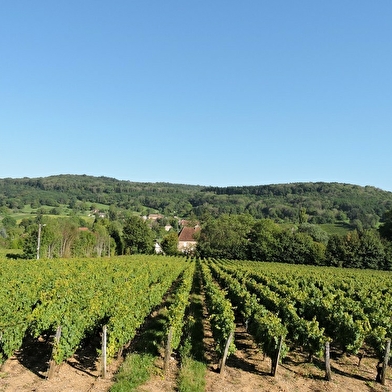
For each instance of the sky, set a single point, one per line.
(197, 92)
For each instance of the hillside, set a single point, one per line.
(322, 202)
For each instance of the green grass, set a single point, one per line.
(138, 366)
(193, 369)
(4, 252)
(192, 376)
(28, 212)
(135, 371)
(98, 206)
(340, 228)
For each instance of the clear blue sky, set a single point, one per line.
(197, 92)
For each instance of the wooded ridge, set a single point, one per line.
(323, 202)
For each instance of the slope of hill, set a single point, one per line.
(321, 202)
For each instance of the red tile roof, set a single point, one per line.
(187, 233)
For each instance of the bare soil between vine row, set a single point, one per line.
(245, 371)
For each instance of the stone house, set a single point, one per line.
(186, 239)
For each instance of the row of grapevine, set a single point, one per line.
(351, 307)
(221, 314)
(301, 332)
(265, 327)
(136, 298)
(81, 296)
(19, 294)
(176, 312)
(283, 306)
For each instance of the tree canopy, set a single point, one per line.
(314, 203)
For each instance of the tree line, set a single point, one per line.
(241, 237)
(263, 223)
(233, 237)
(67, 237)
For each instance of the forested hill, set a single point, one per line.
(322, 202)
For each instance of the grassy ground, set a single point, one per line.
(192, 376)
(193, 369)
(135, 370)
(29, 212)
(340, 228)
(4, 252)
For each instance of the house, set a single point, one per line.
(155, 217)
(186, 239)
(97, 213)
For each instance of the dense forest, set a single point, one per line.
(79, 215)
(324, 202)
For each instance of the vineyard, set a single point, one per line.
(286, 311)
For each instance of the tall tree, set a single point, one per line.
(226, 237)
(69, 232)
(263, 241)
(102, 240)
(335, 251)
(169, 243)
(30, 242)
(315, 231)
(299, 248)
(386, 226)
(356, 249)
(138, 237)
(85, 244)
(371, 252)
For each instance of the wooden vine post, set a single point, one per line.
(328, 376)
(385, 362)
(52, 362)
(275, 361)
(225, 353)
(104, 356)
(168, 350)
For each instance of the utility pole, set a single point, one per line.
(39, 239)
